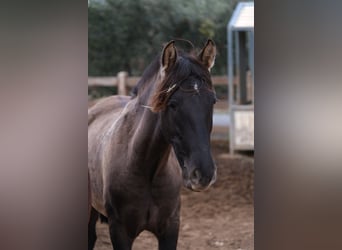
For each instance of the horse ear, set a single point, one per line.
(208, 54)
(169, 56)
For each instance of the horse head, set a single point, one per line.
(184, 98)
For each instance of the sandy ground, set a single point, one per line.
(220, 218)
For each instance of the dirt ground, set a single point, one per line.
(219, 218)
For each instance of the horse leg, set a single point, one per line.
(92, 228)
(119, 236)
(168, 239)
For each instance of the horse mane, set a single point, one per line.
(187, 65)
(147, 76)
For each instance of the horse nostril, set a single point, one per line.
(196, 175)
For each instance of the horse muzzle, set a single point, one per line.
(197, 181)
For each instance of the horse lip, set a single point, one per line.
(195, 187)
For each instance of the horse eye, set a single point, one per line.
(173, 104)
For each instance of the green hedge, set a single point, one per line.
(128, 34)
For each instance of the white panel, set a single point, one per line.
(245, 18)
(244, 128)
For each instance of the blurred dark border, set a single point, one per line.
(43, 131)
(298, 133)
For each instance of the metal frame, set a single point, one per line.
(233, 34)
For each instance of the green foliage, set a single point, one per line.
(127, 34)
(207, 28)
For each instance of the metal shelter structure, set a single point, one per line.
(240, 37)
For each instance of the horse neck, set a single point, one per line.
(148, 143)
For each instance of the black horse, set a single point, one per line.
(141, 149)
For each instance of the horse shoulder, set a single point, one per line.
(106, 105)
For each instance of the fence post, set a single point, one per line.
(122, 78)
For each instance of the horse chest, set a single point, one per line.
(141, 203)
(152, 198)
(148, 209)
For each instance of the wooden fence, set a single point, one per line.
(123, 82)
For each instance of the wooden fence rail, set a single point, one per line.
(123, 82)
